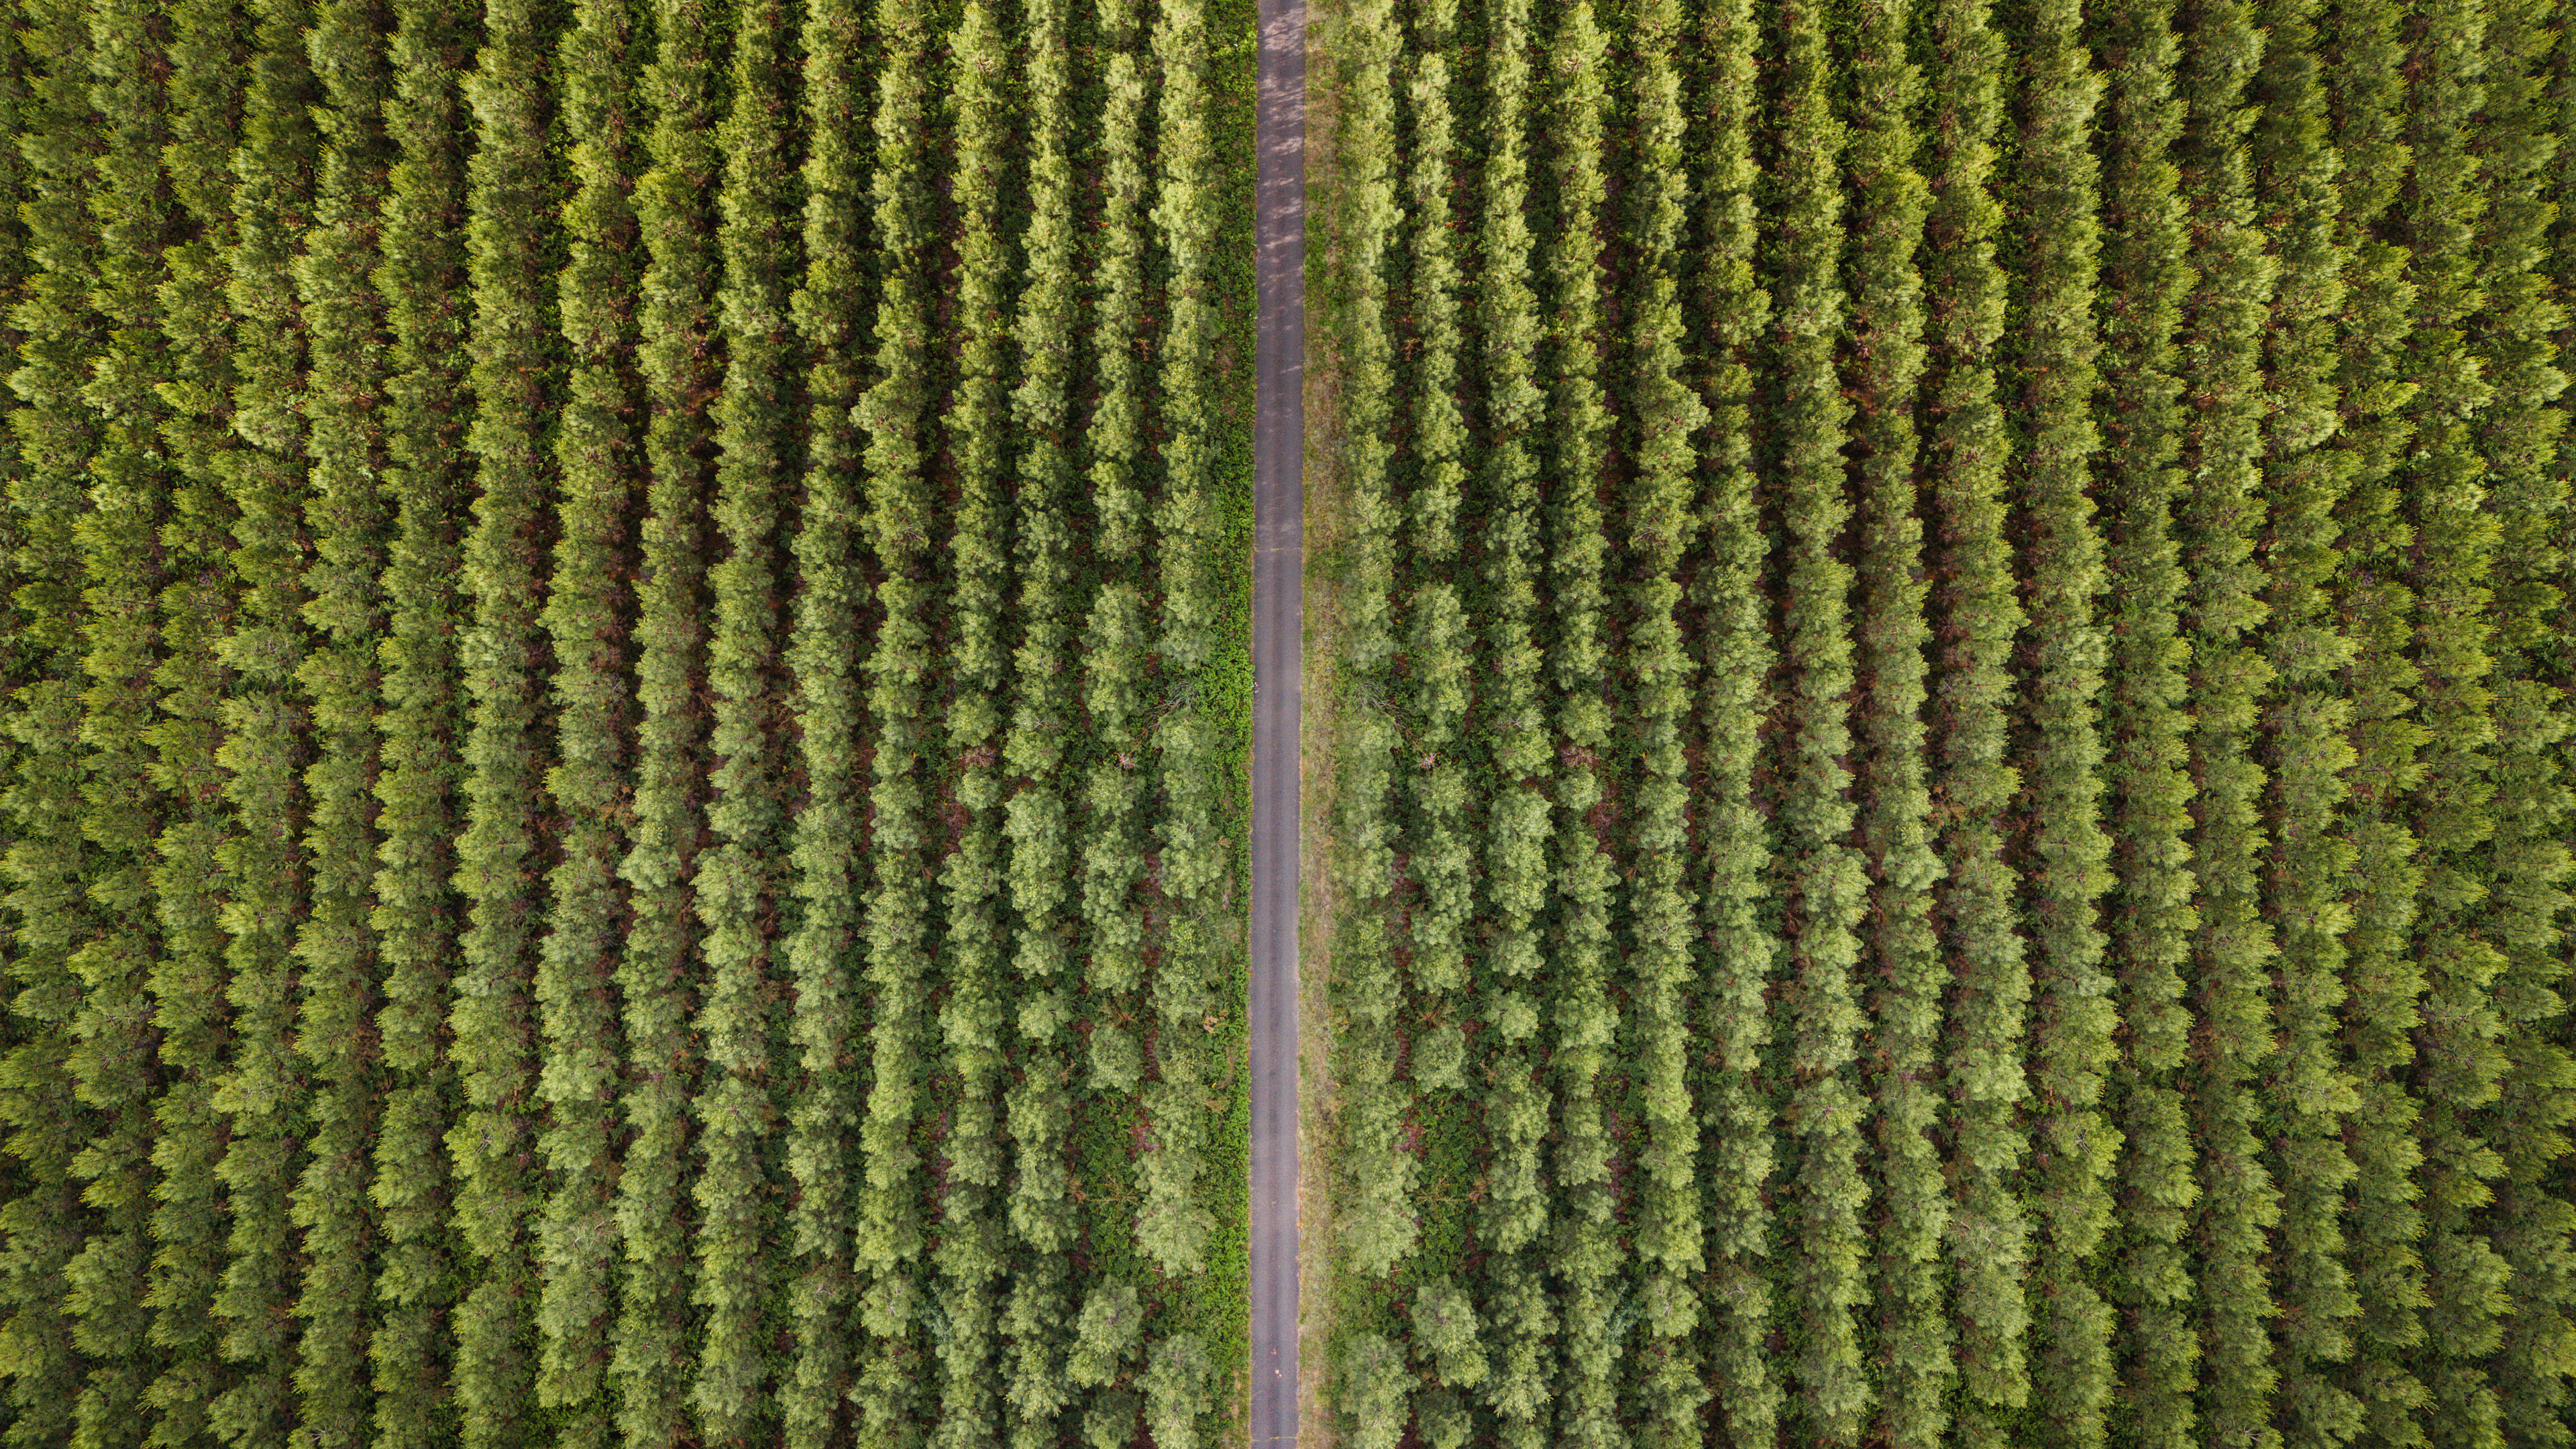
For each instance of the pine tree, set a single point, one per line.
(189, 1008)
(1890, 204)
(736, 1106)
(822, 659)
(650, 1364)
(2384, 1223)
(969, 1252)
(888, 1240)
(2223, 607)
(1661, 527)
(1044, 710)
(2149, 271)
(2521, 433)
(344, 606)
(2457, 1059)
(2308, 749)
(266, 726)
(1588, 1252)
(586, 604)
(1987, 1232)
(1736, 1115)
(120, 805)
(2055, 195)
(57, 436)
(2073, 1144)
(417, 916)
(508, 182)
(1515, 863)
(1823, 880)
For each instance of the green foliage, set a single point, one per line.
(2148, 271)
(2220, 516)
(195, 614)
(1890, 209)
(2310, 748)
(1661, 524)
(416, 920)
(483, 568)
(675, 322)
(345, 517)
(120, 806)
(822, 660)
(514, 390)
(1735, 303)
(595, 452)
(2385, 1223)
(1821, 879)
(735, 1104)
(2529, 1221)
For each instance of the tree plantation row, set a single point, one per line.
(627, 695)
(1950, 780)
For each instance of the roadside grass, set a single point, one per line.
(1326, 1303)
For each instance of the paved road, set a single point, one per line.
(1278, 627)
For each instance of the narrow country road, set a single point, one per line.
(1278, 656)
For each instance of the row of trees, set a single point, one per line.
(2034, 908)
(551, 885)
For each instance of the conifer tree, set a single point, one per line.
(2148, 273)
(2383, 1223)
(1661, 525)
(1587, 1252)
(732, 889)
(2073, 1145)
(344, 608)
(822, 662)
(1890, 204)
(969, 1229)
(1823, 880)
(1038, 1104)
(508, 182)
(2457, 1060)
(2521, 434)
(651, 1360)
(120, 805)
(893, 412)
(2223, 611)
(2308, 749)
(1737, 1116)
(1988, 1235)
(267, 727)
(57, 436)
(1515, 862)
(189, 1008)
(417, 919)
(586, 602)
(2054, 189)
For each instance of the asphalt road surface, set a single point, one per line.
(1278, 655)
